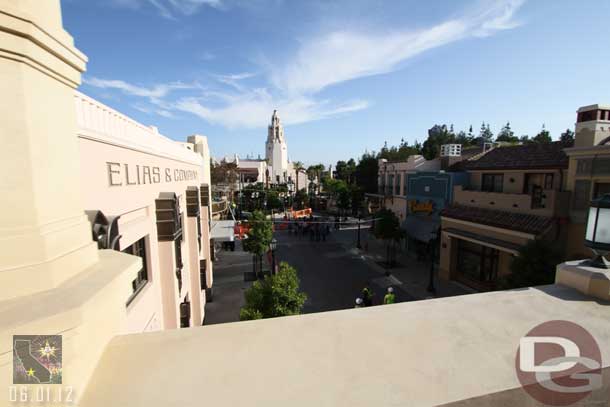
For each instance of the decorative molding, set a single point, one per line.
(169, 222)
(193, 207)
(204, 193)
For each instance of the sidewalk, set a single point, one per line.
(413, 276)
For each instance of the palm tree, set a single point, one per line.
(298, 167)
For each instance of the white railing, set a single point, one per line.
(96, 120)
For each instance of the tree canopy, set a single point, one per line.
(275, 296)
(260, 234)
(534, 265)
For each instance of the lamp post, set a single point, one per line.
(273, 246)
(431, 288)
(597, 235)
(358, 245)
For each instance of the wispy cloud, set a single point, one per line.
(233, 80)
(171, 8)
(324, 60)
(251, 109)
(155, 92)
(340, 56)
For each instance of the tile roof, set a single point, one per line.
(520, 222)
(523, 156)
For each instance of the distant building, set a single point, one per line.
(588, 176)
(514, 194)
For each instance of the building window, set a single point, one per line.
(548, 181)
(601, 166)
(138, 249)
(492, 182)
(584, 167)
(178, 256)
(581, 196)
(601, 189)
(587, 116)
(390, 187)
(477, 263)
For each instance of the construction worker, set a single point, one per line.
(358, 303)
(389, 298)
(367, 296)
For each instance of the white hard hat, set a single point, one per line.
(390, 290)
(358, 301)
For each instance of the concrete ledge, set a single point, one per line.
(591, 281)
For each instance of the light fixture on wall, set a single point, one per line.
(597, 235)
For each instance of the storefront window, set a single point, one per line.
(138, 249)
(477, 263)
(178, 256)
(492, 182)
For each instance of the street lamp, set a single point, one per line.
(359, 217)
(597, 235)
(273, 246)
(431, 288)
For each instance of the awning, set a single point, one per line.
(223, 230)
(420, 228)
(492, 242)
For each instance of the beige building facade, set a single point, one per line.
(129, 174)
(515, 194)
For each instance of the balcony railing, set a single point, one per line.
(547, 202)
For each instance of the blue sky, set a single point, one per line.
(345, 75)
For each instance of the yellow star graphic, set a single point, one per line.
(31, 372)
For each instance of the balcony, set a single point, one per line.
(548, 203)
(430, 354)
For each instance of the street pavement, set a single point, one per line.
(229, 286)
(331, 274)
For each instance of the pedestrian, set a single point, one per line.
(367, 296)
(389, 298)
(358, 303)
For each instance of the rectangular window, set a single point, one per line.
(548, 181)
(478, 264)
(390, 187)
(492, 182)
(581, 196)
(138, 249)
(601, 189)
(601, 166)
(584, 166)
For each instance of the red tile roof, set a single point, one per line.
(520, 222)
(524, 156)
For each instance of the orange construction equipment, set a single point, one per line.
(303, 213)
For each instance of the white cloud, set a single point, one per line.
(341, 56)
(154, 93)
(234, 79)
(169, 8)
(252, 109)
(325, 60)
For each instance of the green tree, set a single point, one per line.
(437, 136)
(259, 237)
(506, 134)
(367, 172)
(298, 168)
(387, 228)
(567, 138)
(534, 265)
(273, 200)
(300, 199)
(275, 296)
(543, 137)
(485, 134)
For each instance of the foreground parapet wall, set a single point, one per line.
(457, 350)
